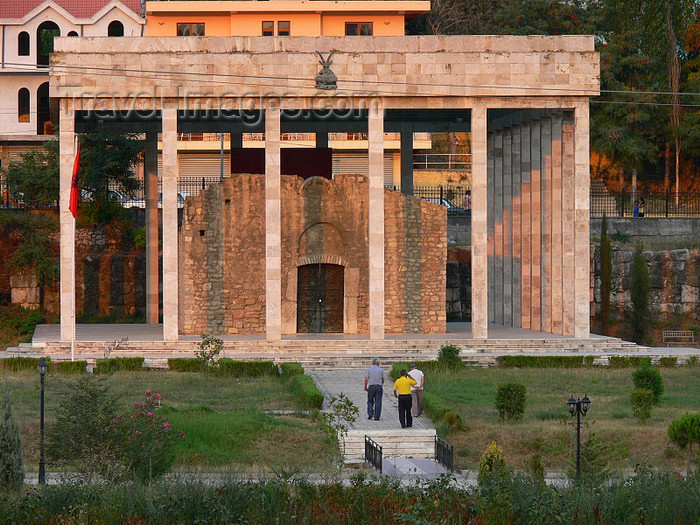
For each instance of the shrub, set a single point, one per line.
(492, 461)
(544, 361)
(425, 366)
(291, 369)
(19, 364)
(684, 432)
(113, 364)
(306, 392)
(625, 361)
(449, 354)
(439, 410)
(336, 422)
(229, 367)
(510, 401)
(642, 400)
(668, 362)
(649, 377)
(72, 367)
(11, 471)
(209, 349)
(639, 294)
(184, 364)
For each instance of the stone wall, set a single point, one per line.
(674, 275)
(650, 229)
(222, 265)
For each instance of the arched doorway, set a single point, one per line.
(45, 34)
(43, 111)
(320, 298)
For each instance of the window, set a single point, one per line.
(283, 28)
(23, 44)
(358, 28)
(72, 33)
(45, 34)
(268, 28)
(115, 28)
(23, 105)
(190, 29)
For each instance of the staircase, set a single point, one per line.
(399, 443)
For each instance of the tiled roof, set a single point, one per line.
(78, 8)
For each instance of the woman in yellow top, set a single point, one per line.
(402, 391)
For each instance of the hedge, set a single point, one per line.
(438, 410)
(625, 361)
(18, 364)
(642, 400)
(425, 366)
(291, 369)
(668, 362)
(72, 367)
(184, 364)
(305, 392)
(229, 367)
(112, 364)
(544, 361)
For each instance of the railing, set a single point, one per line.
(450, 196)
(656, 204)
(442, 161)
(373, 453)
(444, 453)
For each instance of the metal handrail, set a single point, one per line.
(373, 453)
(444, 453)
(442, 161)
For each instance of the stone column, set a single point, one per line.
(376, 221)
(170, 234)
(150, 178)
(67, 221)
(273, 226)
(406, 160)
(479, 224)
(582, 184)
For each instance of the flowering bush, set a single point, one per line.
(146, 440)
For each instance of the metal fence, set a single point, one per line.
(373, 453)
(444, 453)
(442, 161)
(656, 204)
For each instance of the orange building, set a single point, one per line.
(281, 18)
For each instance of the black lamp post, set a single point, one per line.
(42, 367)
(578, 406)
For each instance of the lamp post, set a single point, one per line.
(42, 367)
(578, 406)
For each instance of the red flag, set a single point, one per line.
(74, 185)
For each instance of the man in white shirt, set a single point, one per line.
(417, 390)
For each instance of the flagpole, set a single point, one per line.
(76, 149)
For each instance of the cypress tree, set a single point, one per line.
(605, 276)
(11, 472)
(639, 292)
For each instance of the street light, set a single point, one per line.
(578, 406)
(43, 367)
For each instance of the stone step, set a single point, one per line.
(402, 443)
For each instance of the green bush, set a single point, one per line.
(291, 369)
(306, 393)
(668, 362)
(184, 364)
(642, 400)
(649, 377)
(19, 364)
(229, 367)
(11, 471)
(492, 461)
(113, 364)
(625, 361)
(449, 354)
(510, 400)
(544, 361)
(685, 432)
(425, 366)
(72, 367)
(439, 410)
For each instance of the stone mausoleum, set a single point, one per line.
(260, 251)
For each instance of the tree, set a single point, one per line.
(33, 180)
(639, 292)
(605, 276)
(11, 471)
(684, 432)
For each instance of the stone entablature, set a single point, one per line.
(417, 66)
(222, 287)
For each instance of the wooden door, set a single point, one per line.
(320, 296)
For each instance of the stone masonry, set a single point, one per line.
(222, 283)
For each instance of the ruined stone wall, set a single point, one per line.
(674, 276)
(222, 277)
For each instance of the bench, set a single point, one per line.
(676, 337)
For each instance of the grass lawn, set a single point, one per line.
(224, 418)
(547, 428)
